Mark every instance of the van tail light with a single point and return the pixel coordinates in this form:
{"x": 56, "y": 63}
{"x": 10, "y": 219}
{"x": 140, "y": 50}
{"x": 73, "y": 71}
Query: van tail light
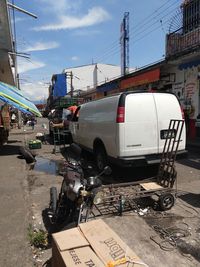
{"x": 182, "y": 112}
{"x": 120, "y": 114}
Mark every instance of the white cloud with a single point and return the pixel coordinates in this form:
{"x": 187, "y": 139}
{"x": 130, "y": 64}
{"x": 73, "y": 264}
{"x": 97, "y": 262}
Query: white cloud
{"x": 86, "y": 32}
{"x": 60, "y": 6}
{"x": 75, "y": 58}
{"x": 94, "y": 16}
{"x": 39, "y": 46}
{"x": 35, "y": 91}
{"x": 24, "y": 65}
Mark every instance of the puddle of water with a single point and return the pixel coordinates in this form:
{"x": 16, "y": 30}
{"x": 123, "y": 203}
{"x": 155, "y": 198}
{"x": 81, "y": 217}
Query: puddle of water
{"x": 46, "y": 166}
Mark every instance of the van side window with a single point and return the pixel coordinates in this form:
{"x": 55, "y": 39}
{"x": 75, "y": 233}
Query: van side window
{"x": 76, "y": 114}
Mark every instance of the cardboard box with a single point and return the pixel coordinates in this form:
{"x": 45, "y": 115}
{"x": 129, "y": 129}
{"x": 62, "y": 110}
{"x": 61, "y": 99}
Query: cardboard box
{"x": 92, "y": 244}
{"x": 70, "y": 249}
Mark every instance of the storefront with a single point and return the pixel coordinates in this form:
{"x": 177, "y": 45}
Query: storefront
{"x": 108, "y": 88}
{"x": 186, "y": 89}
{"x": 141, "y": 81}
{"x": 11, "y": 96}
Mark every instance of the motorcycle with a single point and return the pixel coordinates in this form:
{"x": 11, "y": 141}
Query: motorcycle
{"x": 78, "y": 193}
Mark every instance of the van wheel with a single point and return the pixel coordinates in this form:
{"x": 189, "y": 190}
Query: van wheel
{"x": 101, "y": 158}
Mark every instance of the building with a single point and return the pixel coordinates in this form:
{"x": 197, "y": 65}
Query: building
{"x": 6, "y": 46}
{"x": 79, "y": 83}
{"x": 83, "y": 80}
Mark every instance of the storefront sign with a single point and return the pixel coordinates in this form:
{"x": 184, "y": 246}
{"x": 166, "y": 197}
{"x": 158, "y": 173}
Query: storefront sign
{"x": 140, "y": 79}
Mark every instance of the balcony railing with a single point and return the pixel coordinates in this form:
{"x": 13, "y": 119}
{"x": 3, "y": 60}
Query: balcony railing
{"x": 181, "y": 43}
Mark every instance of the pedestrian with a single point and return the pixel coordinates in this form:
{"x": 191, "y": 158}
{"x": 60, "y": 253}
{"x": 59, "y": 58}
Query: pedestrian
{"x": 32, "y": 123}
{"x": 6, "y": 122}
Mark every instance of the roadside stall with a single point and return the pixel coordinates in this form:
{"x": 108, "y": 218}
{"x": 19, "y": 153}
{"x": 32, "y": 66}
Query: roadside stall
{"x": 12, "y": 96}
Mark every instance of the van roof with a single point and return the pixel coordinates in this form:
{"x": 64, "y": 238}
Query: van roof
{"x": 122, "y": 95}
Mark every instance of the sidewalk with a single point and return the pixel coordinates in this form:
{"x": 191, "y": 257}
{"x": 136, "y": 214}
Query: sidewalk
{"x": 14, "y": 208}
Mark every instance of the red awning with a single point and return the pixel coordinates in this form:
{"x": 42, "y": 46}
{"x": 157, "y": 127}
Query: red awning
{"x": 140, "y": 79}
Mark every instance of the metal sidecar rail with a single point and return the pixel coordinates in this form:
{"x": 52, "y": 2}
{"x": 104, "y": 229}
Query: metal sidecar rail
{"x": 121, "y": 197}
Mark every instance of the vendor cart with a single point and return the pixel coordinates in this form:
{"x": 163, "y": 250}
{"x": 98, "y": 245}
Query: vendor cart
{"x": 120, "y": 197}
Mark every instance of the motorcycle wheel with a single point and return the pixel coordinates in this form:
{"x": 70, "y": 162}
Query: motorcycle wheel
{"x": 53, "y": 199}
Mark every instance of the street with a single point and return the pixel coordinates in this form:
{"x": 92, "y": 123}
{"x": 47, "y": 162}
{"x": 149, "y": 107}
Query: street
{"x": 25, "y": 200}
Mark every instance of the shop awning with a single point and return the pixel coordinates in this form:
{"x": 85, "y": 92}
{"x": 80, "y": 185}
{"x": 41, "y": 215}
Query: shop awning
{"x": 14, "y": 97}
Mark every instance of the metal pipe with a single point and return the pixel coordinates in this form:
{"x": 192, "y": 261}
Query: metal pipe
{"x": 20, "y": 54}
{"x": 21, "y": 10}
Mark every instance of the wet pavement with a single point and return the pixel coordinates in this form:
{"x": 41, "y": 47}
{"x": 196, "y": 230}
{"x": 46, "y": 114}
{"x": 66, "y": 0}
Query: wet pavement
{"x": 46, "y": 166}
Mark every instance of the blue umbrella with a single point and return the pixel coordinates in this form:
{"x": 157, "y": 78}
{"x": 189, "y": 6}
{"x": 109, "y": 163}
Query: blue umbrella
{"x": 14, "y": 97}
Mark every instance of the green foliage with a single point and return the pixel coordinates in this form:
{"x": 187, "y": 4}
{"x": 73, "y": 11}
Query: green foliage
{"x": 37, "y": 237}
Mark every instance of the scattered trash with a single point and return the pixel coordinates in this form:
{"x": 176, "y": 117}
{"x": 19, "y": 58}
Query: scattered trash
{"x": 44, "y": 126}
{"x": 142, "y": 212}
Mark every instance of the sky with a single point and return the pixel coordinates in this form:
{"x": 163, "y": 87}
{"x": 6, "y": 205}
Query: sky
{"x": 70, "y": 33}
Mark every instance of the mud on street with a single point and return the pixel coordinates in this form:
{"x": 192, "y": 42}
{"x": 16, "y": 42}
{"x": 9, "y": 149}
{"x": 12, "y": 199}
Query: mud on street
{"x": 159, "y": 238}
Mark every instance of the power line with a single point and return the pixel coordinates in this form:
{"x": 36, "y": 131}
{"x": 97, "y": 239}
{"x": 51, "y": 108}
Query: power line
{"x": 116, "y": 50}
{"x": 113, "y": 44}
{"x": 152, "y": 17}
{"x": 155, "y": 22}
{"x": 137, "y": 28}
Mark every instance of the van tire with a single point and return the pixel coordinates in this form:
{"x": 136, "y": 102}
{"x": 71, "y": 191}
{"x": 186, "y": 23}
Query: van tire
{"x": 101, "y": 157}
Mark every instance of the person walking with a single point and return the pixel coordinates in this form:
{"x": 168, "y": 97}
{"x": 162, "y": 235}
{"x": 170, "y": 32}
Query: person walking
{"x": 33, "y": 123}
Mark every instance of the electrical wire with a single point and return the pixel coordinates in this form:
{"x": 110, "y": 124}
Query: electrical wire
{"x": 189, "y": 207}
{"x": 138, "y": 28}
{"x": 169, "y": 237}
{"x": 154, "y": 19}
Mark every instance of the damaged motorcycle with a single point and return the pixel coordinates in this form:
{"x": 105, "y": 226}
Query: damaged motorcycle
{"x": 78, "y": 193}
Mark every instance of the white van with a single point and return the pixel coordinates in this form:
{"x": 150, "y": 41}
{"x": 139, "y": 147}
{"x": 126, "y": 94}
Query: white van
{"x": 126, "y": 128}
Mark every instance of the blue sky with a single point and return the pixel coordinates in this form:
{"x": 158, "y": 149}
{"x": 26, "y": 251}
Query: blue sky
{"x": 73, "y": 33}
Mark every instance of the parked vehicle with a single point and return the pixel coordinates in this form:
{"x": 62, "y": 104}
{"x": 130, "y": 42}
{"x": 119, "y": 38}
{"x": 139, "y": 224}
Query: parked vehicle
{"x": 128, "y": 128}
{"x": 77, "y": 193}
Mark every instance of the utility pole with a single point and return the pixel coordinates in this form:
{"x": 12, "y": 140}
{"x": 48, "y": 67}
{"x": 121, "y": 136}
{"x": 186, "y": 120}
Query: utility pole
{"x": 124, "y": 42}
{"x": 69, "y": 74}
{"x": 71, "y": 83}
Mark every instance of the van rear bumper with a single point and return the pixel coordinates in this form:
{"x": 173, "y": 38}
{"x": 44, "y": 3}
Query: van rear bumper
{"x": 144, "y": 160}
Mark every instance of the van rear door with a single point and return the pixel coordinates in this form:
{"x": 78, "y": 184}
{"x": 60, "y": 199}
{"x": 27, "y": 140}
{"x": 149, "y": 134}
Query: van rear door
{"x": 168, "y": 108}
{"x": 140, "y": 126}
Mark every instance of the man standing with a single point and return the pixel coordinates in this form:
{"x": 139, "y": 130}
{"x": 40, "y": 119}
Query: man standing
{"x": 5, "y": 122}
